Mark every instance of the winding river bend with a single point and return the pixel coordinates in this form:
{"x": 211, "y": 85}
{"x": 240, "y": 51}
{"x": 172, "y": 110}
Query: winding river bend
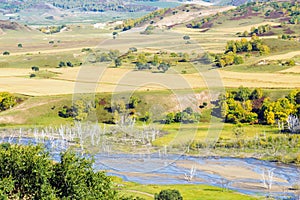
{"x": 245, "y": 175}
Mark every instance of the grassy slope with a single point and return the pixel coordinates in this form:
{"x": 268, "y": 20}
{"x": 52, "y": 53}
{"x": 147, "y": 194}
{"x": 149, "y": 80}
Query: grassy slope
{"x": 188, "y": 192}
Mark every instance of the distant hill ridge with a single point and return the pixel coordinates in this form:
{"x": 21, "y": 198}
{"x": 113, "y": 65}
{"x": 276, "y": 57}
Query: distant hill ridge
{"x": 8, "y": 25}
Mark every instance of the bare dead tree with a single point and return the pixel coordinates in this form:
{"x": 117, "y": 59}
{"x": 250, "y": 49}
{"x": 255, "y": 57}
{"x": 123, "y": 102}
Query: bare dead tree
{"x": 189, "y": 176}
{"x": 267, "y": 178}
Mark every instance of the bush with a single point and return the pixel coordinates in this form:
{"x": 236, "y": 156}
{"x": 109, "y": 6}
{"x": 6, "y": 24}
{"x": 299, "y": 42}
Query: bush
{"x": 35, "y": 68}
{"x": 6, "y": 53}
{"x": 61, "y": 64}
{"x": 168, "y": 195}
{"x": 69, "y": 64}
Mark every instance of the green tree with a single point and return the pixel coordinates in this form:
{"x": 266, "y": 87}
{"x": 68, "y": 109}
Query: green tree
{"x": 7, "y": 101}
{"x": 186, "y": 38}
{"x": 117, "y": 62}
{"x": 168, "y": 195}
{"x": 75, "y": 178}
{"x": 156, "y": 60}
{"x": 113, "y": 54}
{"x": 257, "y": 93}
{"x": 27, "y": 172}
{"x": 134, "y": 101}
{"x": 141, "y": 58}
{"x": 35, "y": 68}
{"x": 6, "y": 53}
{"x": 61, "y": 64}
{"x": 169, "y": 118}
{"x": 242, "y": 94}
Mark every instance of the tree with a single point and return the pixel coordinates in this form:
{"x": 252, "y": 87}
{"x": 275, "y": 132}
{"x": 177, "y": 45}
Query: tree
{"x": 186, "y": 38}
{"x": 113, "y": 54}
{"x": 7, "y": 101}
{"x": 117, "y": 62}
{"x": 256, "y": 94}
{"x": 115, "y": 34}
{"x": 28, "y": 172}
{"x": 164, "y": 67}
{"x": 169, "y": 118}
{"x": 134, "y": 101}
{"x": 61, "y": 64}
{"x": 242, "y": 94}
{"x": 238, "y": 60}
{"x": 20, "y": 45}
{"x": 35, "y": 68}
{"x": 75, "y": 178}
{"x": 156, "y": 60}
{"x": 297, "y": 98}
{"x": 142, "y": 58}
{"x": 168, "y": 195}
{"x": 69, "y": 64}
{"x": 6, "y": 53}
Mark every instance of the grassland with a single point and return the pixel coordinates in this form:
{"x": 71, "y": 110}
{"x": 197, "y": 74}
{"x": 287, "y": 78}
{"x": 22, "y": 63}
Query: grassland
{"x": 188, "y": 192}
{"x": 184, "y": 84}
{"x": 37, "y": 51}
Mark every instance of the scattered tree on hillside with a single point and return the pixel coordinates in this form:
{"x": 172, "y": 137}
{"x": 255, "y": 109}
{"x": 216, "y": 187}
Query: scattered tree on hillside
{"x": 6, "y": 53}
{"x": 35, "y": 68}
{"x": 186, "y": 38}
{"x": 7, "y": 101}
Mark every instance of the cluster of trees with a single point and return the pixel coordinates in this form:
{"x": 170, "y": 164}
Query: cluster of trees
{"x": 246, "y": 106}
{"x": 7, "y": 101}
{"x": 186, "y": 116}
{"x": 291, "y": 9}
{"x": 101, "y": 6}
{"x": 51, "y": 29}
{"x": 107, "y": 112}
{"x": 64, "y": 64}
{"x": 111, "y": 56}
{"x": 79, "y": 111}
{"x": 162, "y": 61}
{"x": 131, "y": 23}
{"x": 244, "y": 45}
{"x": 257, "y": 30}
{"x": 199, "y": 24}
{"x": 28, "y": 172}
{"x": 287, "y": 37}
{"x": 232, "y": 49}
{"x": 229, "y": 58}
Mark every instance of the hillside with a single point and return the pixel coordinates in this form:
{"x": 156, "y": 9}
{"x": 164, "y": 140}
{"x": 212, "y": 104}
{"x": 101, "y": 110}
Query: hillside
{"x": 6, "y": 25}
{"x": 78, "y": 5}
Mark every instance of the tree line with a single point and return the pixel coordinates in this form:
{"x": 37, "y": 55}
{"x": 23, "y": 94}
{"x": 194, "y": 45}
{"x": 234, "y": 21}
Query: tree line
{"x": 234, "y": 48}
{"x": 246, "y": 106}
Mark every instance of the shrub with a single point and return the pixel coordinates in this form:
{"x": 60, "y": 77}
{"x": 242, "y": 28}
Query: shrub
{"x": 6, "y": 53}
{"x": 35, "y": 68}
{"x": 168, "y": 195}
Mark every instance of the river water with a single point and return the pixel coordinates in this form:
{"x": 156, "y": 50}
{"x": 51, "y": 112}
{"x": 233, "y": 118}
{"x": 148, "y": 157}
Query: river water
{"x": 244, "y": 175}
